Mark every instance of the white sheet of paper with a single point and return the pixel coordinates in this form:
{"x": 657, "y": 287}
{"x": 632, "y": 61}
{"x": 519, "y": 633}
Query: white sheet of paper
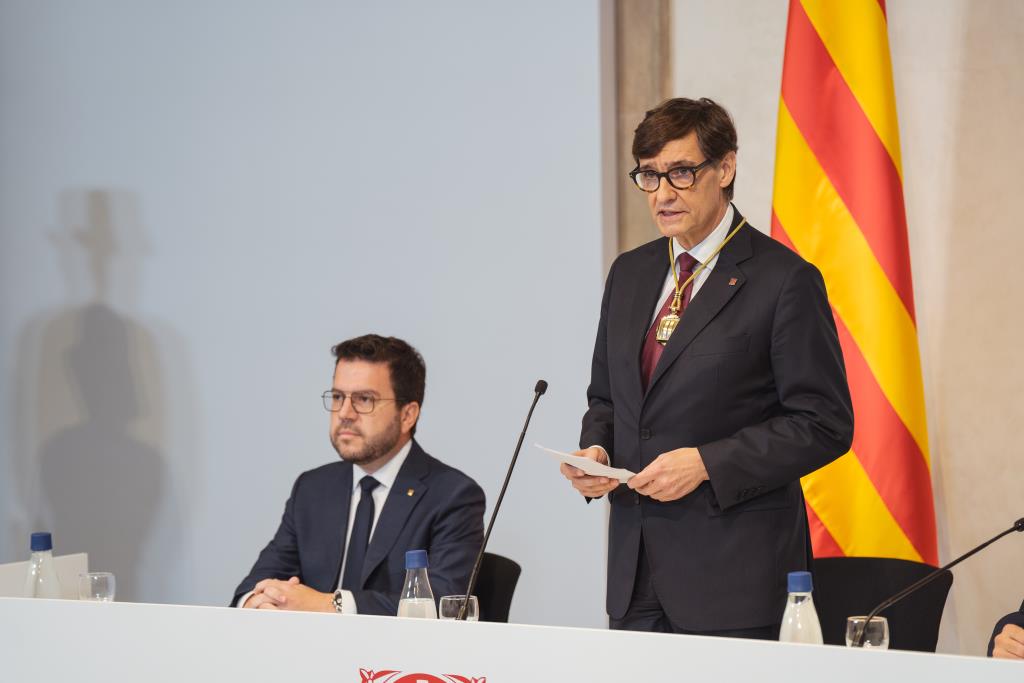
{"x": 589, "y": 466}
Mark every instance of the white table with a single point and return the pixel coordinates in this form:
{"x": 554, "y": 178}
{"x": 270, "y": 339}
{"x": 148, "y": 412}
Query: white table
{"x": 44, "y": 640}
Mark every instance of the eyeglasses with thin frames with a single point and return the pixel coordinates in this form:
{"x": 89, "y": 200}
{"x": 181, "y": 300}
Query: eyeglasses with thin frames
{"x": 680, "y": 177}
{"x": 362, "y": 402}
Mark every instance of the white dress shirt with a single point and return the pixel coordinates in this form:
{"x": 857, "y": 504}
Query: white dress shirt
{"x": 385, "y": 476}
{"x": 701, "y": 251}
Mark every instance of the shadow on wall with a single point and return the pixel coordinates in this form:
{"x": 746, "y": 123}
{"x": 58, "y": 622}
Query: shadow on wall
{"x": 92, "y": 470}
{"x": 981, "y": 395}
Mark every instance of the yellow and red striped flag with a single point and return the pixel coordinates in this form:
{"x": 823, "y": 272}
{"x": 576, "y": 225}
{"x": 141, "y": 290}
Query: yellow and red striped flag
{"x": 838, "y": 202}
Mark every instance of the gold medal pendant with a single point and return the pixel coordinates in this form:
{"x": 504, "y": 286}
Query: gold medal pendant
{"x": 666, "y": 327}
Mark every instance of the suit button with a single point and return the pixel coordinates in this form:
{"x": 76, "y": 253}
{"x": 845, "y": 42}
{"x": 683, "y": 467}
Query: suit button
{"x": 645, "y": 434}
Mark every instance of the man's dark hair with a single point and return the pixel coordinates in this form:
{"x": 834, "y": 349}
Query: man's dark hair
{"x": 405, "y": 364}
{"x": 676, "y": 118}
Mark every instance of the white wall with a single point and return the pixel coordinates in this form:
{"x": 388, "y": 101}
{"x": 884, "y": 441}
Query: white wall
{"x": 960, "y": 99}
{"x": 198, "y": 199}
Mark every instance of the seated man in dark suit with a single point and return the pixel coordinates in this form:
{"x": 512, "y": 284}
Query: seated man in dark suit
{"x": 1007, "y": 640}
{"x": 347, "y": 525}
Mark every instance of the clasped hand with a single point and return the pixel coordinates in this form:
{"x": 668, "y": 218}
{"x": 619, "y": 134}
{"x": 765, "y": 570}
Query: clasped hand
{"x": 288, "y": 595}
{"x": 1009, "y": 644}
{"x": 671, "y": 476}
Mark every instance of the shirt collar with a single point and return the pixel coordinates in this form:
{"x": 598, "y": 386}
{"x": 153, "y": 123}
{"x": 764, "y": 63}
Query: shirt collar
{"x": 707, "y": 246}
{"x": 387, "y": 474}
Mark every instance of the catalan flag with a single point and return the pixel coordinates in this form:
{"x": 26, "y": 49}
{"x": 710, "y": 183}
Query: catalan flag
{"x": 838, "y": 201}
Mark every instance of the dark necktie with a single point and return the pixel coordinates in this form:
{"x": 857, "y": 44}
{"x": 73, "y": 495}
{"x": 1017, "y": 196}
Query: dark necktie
{"x": 356, "y": 553}
{"x": 652, "y": 349}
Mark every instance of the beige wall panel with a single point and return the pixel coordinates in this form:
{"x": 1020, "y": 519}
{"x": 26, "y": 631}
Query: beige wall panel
{"x": 960, "y": 98}
{"x": 643, "y": 39}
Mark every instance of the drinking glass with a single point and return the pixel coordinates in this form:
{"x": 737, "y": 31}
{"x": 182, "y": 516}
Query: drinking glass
{"x": 451, "y": 604}
{"x": 876, "y": 636}
{"x": 96, "y": 586}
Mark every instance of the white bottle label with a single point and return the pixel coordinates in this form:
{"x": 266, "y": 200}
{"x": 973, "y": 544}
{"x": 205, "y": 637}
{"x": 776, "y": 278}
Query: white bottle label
{"x": 417, "y": 608}
{"x": 41, "y": 581}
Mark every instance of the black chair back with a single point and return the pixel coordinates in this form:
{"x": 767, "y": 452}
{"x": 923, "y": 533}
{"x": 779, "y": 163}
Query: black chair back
{"x": 495, "y": 586}
{"x": 851, "y": 586}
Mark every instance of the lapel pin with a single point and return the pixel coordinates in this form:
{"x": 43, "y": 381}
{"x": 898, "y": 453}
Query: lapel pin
{"x": 732, "y": 282}
{"x": 409, "y": 493}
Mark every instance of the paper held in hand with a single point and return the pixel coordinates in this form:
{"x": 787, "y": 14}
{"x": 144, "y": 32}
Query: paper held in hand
{"x": 589, "y": 466}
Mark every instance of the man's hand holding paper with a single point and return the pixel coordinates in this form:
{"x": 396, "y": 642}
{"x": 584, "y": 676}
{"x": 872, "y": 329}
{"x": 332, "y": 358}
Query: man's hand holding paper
{"x": 593, "y": 481}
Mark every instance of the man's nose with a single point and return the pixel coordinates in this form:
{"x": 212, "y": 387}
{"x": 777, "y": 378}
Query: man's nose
{"x": 346, "y": 410}
{"x": 665, "y": 191}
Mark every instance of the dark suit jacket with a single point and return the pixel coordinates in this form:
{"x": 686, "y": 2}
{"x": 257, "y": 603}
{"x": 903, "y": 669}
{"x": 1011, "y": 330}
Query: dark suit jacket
{"x": 444, "y": 515}
{"x": 754, "y": 378}
{"x": 1015, "y": 618}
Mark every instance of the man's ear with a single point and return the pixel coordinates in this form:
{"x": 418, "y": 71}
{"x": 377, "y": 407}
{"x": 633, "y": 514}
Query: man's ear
{"x": 727, "y": 170}
{"x": 409, "y": 414}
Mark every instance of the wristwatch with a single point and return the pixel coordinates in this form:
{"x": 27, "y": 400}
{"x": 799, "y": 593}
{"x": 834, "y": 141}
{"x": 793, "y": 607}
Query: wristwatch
{"x": 336, "y": 601}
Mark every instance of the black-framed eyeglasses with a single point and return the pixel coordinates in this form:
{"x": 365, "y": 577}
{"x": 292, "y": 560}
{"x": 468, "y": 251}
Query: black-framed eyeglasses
{"x": 680, "y": 177}
{"x": 362, "y": 402}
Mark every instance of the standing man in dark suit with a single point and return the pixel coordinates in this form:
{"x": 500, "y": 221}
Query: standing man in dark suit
{"x": 347, "y": 525}
{"x": 720, "y": 382}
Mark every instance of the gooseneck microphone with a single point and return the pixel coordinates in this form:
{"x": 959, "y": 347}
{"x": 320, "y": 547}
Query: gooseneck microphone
{"x": 538, "y": 391}
{"x": 858, "y": 640}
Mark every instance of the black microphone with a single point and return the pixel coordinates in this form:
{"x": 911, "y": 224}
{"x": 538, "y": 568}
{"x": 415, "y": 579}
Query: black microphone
{"x": 538, "y": 391}
{"x": 858, "y": 640}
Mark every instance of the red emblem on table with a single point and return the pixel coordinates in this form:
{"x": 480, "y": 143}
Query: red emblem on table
{"x": 392, "y": 676}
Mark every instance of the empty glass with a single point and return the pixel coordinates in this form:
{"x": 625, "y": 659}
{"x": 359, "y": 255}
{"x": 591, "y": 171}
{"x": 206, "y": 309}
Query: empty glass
{"x": 876, "y": 636}
{"x": 96, "y": 586}
{"x": 451, "y": 604}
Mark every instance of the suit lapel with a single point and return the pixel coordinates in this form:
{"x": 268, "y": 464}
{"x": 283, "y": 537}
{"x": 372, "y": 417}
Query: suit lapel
{"x": 408, "y": 490}
{"x": 336, "y": 510}
{"x": 646, "y": 299}
{"x": 722, "y": 284}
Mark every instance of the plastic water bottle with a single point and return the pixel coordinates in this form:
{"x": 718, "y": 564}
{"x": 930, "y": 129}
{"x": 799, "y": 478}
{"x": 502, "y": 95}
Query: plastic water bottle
{"x": 800, "y": 621}
{"x": 417, "y": 599}
{"x": 41, "y": 581}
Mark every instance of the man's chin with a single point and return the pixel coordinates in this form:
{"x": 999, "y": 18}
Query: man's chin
{"x": 362, "y": 456}
{"x": 354, "y": 457}
{"x": 349, "y": 454}
{"x": 357, "y": 458}
{"x": 673, "y": 228}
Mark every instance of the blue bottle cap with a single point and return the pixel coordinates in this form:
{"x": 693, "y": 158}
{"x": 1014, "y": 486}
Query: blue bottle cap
{"x": 800, "y": 582}
{"x": 41, "y": 540}
{"x": 416, "y": 559}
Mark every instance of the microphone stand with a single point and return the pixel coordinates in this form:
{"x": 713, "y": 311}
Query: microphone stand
{"x": 538, "y": 390}
{"x": 858, "y": 640}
